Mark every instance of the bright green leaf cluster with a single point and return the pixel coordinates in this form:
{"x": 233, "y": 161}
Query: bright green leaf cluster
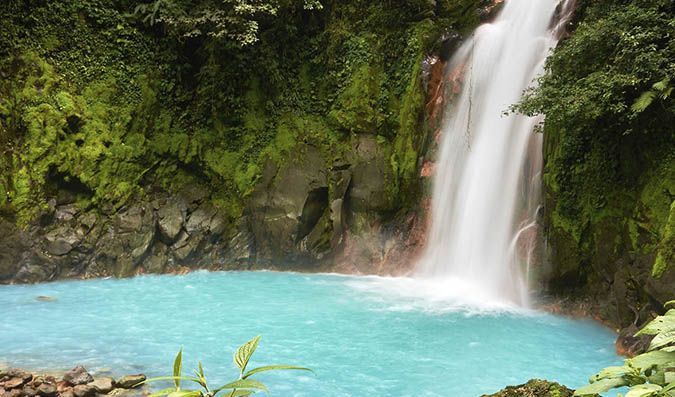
{"x": 651, "y": 374}
{"x": 243, "y": 386}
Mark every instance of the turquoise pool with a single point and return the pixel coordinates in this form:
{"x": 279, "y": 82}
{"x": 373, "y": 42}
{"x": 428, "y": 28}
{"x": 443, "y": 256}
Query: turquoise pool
{"x": 363, "y": 336}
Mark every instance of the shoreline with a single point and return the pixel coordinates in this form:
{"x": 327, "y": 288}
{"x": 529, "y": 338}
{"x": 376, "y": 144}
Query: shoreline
{"x": 76, "y": 382}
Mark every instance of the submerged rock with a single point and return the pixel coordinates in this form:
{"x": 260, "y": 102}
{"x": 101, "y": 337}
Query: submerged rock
{"x": 45, "y": 298}
{"x": 534, "y": 388}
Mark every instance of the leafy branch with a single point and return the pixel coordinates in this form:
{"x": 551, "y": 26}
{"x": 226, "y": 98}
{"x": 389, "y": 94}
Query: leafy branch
{"x": 651, "y": 374}
{"x": 243, "y": 386}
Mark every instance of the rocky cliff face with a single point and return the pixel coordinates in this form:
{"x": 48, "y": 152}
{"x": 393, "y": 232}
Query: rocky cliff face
{"x": 302, "y": 215}
{"x": 609, "y": 172}
{"x": 130, "y": 148}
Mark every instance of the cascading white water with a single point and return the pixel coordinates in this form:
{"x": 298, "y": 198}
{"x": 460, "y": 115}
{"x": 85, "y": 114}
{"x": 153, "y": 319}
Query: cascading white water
{"x": 486, "y": 187}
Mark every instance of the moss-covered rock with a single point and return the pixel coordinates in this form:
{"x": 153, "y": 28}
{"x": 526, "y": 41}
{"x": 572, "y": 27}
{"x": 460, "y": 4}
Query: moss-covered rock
{"x": 534, "y": 388}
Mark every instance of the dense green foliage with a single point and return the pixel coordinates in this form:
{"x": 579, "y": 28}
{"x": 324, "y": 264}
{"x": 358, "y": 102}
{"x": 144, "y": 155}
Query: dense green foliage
{"x": 245, "y": 385}
{"x": 108, "y": 98}
{"x": 610, "y": 141}
{"x": 650, "y": 374}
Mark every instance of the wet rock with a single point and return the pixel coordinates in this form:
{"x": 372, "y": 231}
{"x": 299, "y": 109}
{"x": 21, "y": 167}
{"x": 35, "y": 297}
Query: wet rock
{"x": 534, "y": 388}
{"x": 77, "y": 376}
{"x": 28, "y": 391}
{"x": 62, "y": 240}
{"x": 627, "y": 344}
{"x": 130, "y": 381}
{"x": 47, "y": 390}
{"x": 13, "y": 383}
{"x": 63, "y": 386}
{"x": 67, "y": 393}
{"x": 371, "y": 177}
{"x": 186, "y": 245}
{"x": 102, "y": 385}
{"x": 12, "y": 246}
{"x": 14, "y": 378}
{"x": 65, "y": 213}
{"x": 131, "y": 219}
{"x": 84, "y": 391}
{"x": 171, "y": 218}
{"x": 35, "y": 269}
{"x": 13, "y": 393}
{"x": 158, "y": 259}
{"x": 277, "y": 203}
{"x": 240, "y": 248}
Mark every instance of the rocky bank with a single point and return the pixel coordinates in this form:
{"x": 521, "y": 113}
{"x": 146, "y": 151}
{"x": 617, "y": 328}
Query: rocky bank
{"x": 74, "y": 383}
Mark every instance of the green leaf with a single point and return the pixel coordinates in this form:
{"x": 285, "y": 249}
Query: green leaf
{"x": 244, "y": 353}
{"x": 643, "y": 101}
{"x": 659, "y": 324}
{"x": 645, "y": 390}
{"x": 669, "y": 379}
{"x": 273, "y": 368}
{"x": 242, "y": 384}
{"x": 656, "y": 358}
{"x": 662, "y": 339}
{"x": 177, "y": 365}
{"x": 670, "y": 384}
{"x": 661, "y": 85}
{"x": 600, "y": 386}
{"x": 612, "y": 372}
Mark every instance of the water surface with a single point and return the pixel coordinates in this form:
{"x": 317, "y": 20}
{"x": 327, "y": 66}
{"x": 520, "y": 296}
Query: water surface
{"x": 362, "y": 336}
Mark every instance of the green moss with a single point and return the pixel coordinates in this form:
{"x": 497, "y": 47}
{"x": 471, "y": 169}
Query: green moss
{"x": 97, "y": 102}
{"x": 357, "y": 108}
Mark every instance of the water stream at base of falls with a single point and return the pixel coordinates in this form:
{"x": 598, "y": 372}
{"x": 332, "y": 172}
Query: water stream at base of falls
{"x": 487, "y": 185}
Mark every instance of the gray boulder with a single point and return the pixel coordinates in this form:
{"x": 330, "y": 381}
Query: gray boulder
{"x": 371, "y": 177}
{"x": 171, "y": 219}
{"x": 77, "y": 376}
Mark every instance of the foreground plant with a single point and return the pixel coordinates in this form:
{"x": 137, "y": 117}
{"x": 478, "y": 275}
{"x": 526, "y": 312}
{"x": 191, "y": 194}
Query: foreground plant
{"x": 651, "y": 374}
{"x": 244, "y": 386}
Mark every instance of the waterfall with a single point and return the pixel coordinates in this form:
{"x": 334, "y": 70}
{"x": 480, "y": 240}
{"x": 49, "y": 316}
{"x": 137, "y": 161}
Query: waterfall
{"x": 487, "y": 184}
